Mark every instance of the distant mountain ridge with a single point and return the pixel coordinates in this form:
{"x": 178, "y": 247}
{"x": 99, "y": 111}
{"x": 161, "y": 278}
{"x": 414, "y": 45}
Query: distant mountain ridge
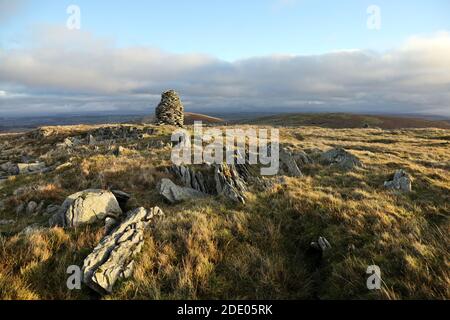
{"x": 345, "y": 120}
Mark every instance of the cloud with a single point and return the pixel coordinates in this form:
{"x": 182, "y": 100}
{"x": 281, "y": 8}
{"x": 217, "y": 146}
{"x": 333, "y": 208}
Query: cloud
{"x": 66, "y": 70}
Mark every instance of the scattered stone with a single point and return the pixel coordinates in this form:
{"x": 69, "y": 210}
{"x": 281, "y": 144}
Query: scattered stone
{"x": 119, "y": 132}
{"x": 174, "y": 193}
{"x": 341, "y": 158}
{"x": 20, "y": 209}
{"x": 31, "y": 229}
{"x": 63, "y": 166}
{"x": 170, "y": 110}
{"x": 322, "y": 244}
{"x": 25, "y": 168}
{"x": 6, "y": 222}
{"x": 401, "y": 181}
{"x": 86, "y": 207}
{"x": 113, "y": 258}
{"x": 91, "y": 140}
{"x": 31, "y": 207}
{"x": 51, "y": 209}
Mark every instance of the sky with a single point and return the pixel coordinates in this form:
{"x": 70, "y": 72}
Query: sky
{"x": 375, "y": 56}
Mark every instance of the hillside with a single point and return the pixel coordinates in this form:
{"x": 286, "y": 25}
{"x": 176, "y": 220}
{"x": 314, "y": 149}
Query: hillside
{"x": 343, "y": 120}
{"x": 212, "y": 247}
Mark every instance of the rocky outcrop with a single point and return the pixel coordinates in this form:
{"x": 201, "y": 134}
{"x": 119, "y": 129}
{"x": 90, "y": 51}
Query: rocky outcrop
{"x": 227, "y": 180}
{"x": 170, "y": 110}
{"x": 340, "y": 158}
{"x": 86, "y": 207}
{"x": 173, "y": 193}
{"x": 288, "y": 165}
{"x": 229, "y": 183}
{"x": 113, "y": 258}
{"x": 401, "y": 181}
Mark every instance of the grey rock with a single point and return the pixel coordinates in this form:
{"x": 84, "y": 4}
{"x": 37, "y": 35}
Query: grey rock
{"x": 31, "y": 207}
{"x": 223, "y": 179}
{"x": 401, "y": 181}
{"x": 86, "y": 207}
{"x": 322, "y": 244}
{"x": 25, "y": 168}
{"x": 91, "y": 140}
{"x": 113, "y": 258}
{"x": 174, "y": 193}
{"x": 6, "y": 222}
{"x": 51, "y": 209}
{"x": 170, "y": 110}
{"x": 20, "y": 208}
{"x": 288, "y": 164}
{"x": 31, "y": 229}
{"x": 229, "y": 183}
{"x": 341, "y": 158}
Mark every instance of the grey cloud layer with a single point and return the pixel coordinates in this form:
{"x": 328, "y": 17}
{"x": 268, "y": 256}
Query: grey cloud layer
{"x": 77, "y": 71}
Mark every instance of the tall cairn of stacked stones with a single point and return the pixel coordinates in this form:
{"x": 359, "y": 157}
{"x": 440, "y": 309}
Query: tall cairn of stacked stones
{"x": 170, "y": 110}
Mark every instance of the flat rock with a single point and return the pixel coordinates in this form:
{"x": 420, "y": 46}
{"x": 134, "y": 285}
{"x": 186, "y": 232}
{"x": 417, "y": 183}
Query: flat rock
{"x": 86, "y": 207}
{"x": 113, "y": 258}
{"x": 174, "y": 193}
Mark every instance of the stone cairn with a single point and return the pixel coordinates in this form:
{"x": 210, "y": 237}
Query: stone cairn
{"x": 170, "y": 110}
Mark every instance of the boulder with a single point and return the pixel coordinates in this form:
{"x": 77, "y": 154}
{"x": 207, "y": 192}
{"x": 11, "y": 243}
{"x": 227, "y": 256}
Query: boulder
{"x": 401, "y": 181}
{"x": 170, "y": 110}
{"x": 86, "y": 207}
{"x": 113, "y": 258}
{"x": 341, "y": 158}
{"x": 174, "y": 193}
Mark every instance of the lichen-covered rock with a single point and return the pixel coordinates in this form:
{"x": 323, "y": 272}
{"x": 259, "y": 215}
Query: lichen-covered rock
{"x": 86, "y": 207}
{"x": 341, "y": 158}
{"x": 113, "y": 258}
{"x": 401, "y": 181}
{"x": 170, "y": 110}
{"x": 174, "y": 193}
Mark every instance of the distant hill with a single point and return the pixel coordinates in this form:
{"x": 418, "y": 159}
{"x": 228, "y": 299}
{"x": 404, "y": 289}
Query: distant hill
{"x": 190, "y": 117}
{"x": 344, "y": 120}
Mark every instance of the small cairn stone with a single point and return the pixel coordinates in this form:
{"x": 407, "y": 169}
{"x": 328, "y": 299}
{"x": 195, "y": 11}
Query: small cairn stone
{"x": 170, "y": 110}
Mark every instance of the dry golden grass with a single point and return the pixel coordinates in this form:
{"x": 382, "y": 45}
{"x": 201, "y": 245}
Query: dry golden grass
{"x": 211, "y": 248}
